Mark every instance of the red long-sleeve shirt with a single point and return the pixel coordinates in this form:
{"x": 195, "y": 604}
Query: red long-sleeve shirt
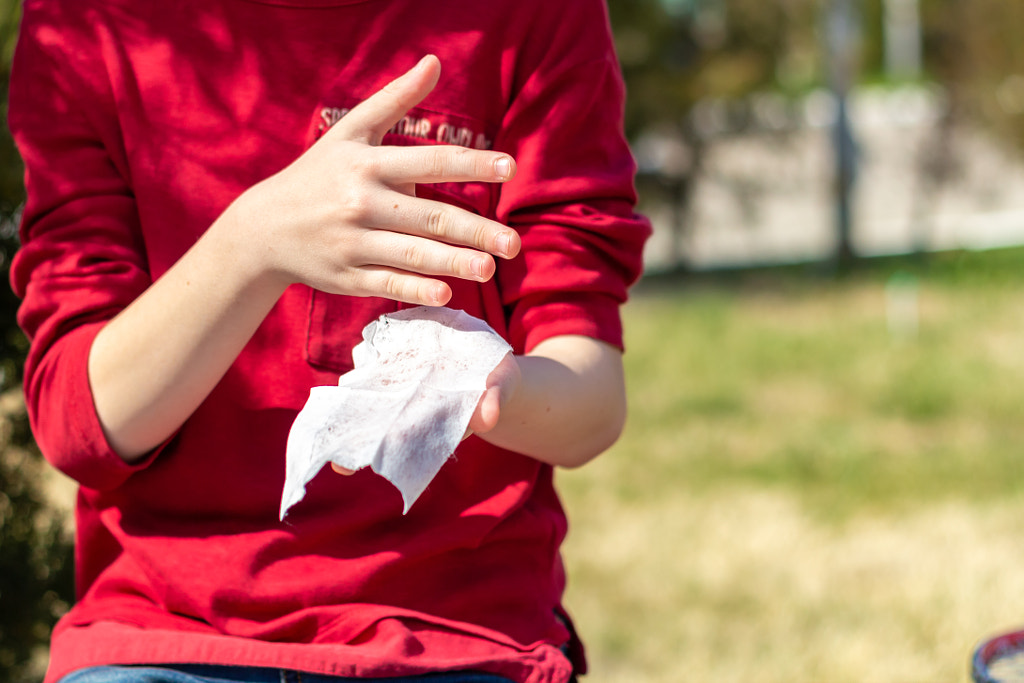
{"x": 139, "y": 122}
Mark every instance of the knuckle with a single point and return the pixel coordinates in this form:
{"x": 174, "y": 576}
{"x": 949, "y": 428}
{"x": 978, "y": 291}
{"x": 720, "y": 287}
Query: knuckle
{"x": 393, "y": 94}
{"x": 413, "y": 258}
{"x": 353, "y": 283}
{"x": 438, "y": 222}
{"x": 449, "y": 161}
{"x": 481, "y": 235}
{"x": 457, "y": 264}
{"x": 358, "y": 205}
{"x": 439, "y": 164}
{"x": 391, "y": 285}
{"x": 365, "y": 165}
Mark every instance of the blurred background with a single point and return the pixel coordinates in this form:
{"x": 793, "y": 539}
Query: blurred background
{"x": 821, "y": 479}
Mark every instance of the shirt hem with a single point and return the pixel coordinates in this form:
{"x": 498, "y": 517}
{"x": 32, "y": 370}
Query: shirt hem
{"x": 110, "y": 643}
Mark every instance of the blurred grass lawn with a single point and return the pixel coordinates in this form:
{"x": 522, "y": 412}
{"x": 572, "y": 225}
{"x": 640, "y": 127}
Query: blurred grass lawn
{"x": 807, "y": 491}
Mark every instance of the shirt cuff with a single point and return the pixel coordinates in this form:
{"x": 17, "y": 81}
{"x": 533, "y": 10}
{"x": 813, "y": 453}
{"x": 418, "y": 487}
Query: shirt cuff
{"x": 65, "y": 422}
{"x": 542, "y": 316}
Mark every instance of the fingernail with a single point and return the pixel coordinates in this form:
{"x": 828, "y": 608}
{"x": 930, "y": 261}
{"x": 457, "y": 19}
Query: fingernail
{"x": 503, "y": 168}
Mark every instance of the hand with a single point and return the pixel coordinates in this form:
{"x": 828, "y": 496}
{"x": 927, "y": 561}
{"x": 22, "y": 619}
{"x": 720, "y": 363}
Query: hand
{"x": 344, "y": 218}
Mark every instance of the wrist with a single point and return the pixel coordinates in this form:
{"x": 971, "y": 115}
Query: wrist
{"x": 246, "y": 253}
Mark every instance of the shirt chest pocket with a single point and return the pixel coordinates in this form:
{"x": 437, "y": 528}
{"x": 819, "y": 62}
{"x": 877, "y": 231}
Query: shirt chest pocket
{"x": 336, "y": 324}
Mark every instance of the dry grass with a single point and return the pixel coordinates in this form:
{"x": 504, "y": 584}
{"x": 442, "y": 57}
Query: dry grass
{"x": 745, "y": 586}
{"x": 805, "y": 493}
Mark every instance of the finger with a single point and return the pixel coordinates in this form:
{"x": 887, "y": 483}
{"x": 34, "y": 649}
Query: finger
{"x": 374, "y": 116}
{"x": 417, "y": 255}
{"x": 442, "y": 164}
{"x": 445, "y": 223}
{"x": 506, "y": 376}
{"x": 399, "y": 285}
{"x": 488, "y": 410}
{"x": 342, "y": 470}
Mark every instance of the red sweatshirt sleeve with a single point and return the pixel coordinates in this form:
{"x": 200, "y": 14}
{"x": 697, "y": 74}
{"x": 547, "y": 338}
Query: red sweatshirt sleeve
{"x": 573, "y": 196}
{"x": 81, "y": 259}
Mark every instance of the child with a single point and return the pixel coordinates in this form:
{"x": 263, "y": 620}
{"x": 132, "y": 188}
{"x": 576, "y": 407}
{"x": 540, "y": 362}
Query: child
{"x": 221, "y": 194}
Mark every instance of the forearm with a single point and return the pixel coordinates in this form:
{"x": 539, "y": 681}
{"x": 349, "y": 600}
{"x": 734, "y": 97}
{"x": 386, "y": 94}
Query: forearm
{"x": 156, "y": 361}
{"x": 570, "y": 405}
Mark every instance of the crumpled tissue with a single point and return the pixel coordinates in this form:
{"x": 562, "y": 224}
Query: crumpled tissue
{"x": 404, "y": 407}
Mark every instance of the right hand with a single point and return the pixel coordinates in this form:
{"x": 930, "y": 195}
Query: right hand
{"x": 344, "y": 217}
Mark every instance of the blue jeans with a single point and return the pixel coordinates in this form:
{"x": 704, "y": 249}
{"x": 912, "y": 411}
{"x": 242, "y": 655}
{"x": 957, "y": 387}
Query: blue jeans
{"x": 206, "y": 673}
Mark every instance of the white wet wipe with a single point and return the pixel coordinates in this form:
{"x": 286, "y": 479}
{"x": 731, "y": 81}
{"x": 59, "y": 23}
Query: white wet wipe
{"x": 402, "y": 410}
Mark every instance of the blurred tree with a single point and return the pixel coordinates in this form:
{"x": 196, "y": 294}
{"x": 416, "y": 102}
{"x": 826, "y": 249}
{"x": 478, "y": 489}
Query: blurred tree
{"x": 12, "y": 194}
{"x": 676, "y": 53}
{"x": 975, "y": 48}
{"x": 36, "y": 571}
{"x": 684, "y": 60}
{"x": 690, "y": 66}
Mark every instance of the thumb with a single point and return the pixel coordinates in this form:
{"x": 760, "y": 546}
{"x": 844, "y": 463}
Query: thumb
{"x": 374, "y": 116}
{"x": 488, "y": 410}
